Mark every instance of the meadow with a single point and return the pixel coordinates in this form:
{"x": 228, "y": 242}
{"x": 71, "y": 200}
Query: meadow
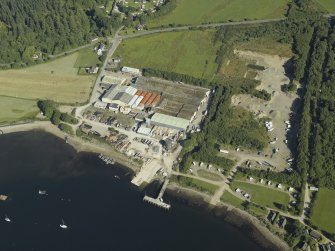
{"x": 200, "y": 11}
{"x": 14, "y": 109}
{"x": 56, "y": 80}
{"x": 322, "y": 211}
{"x": 326, "y": 5}
{"x": 86, "y": 58}
{"x": 194, "y": 183}
{"x": 190, "y": 52}
{"x": 261, "y": 195}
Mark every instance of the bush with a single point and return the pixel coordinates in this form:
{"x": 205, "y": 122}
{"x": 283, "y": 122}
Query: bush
{"x": 289, "y": 87}
{"x": 68, "y": 119}
{"x": 66, "y": 128}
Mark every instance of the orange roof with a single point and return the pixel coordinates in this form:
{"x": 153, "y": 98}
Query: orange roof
{"x": 156, "y": 100}
{"x": 151, "y": 99}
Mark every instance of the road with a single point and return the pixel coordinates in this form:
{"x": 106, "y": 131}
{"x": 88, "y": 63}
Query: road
{"x": 187, "y": 27}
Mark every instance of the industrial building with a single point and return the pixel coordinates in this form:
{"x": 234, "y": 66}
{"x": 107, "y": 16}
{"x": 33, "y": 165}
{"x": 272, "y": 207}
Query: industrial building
{"x": 159, "y": 119}
{"x": 120, "y": 95}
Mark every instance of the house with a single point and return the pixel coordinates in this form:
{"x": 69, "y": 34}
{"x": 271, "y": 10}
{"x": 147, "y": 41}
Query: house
{"x": 251, "y": 178}
{"x": 269, "y": 183}
{"x": 279, "y": 186}
{"x": 261, "y": 181}
{"x": 100, "y": 105}
{"x": 314, "y": 189}
{"x": 237, "y": 190}
{"x": 92, "y": 70}
{"x": 100, "y": 49}
{"x": 291, "y": 189}
{"x": 283, "y": 222}
{"x": 315, "y": 235}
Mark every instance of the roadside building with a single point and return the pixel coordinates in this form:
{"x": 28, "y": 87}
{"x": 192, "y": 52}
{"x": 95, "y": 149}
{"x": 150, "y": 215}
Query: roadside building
{"x": 167, "y": 144}
{"x": 131, "y": 70}
{"x": 100, "y": 105}
{"x": 168, "y": 121}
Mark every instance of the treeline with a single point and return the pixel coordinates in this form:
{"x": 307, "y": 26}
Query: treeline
{"x": 173, "y": 76}
{"x": 49, "y": 110}
{"x": 29, "y": 27}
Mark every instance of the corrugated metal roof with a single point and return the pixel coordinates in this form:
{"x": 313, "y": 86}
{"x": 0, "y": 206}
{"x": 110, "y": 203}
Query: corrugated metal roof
{"x": 170, "y": 121}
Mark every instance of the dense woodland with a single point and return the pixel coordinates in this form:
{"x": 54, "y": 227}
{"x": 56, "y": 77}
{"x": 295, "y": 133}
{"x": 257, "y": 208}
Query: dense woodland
{"x": 50, "y": 27}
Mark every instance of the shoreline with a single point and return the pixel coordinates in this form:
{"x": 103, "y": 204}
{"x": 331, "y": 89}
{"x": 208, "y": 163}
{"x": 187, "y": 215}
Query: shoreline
{"x": 78, "y": 144}
{"x": 246, "y": 223}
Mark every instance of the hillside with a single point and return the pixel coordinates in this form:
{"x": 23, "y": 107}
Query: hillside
{"x": 29, "y": 27}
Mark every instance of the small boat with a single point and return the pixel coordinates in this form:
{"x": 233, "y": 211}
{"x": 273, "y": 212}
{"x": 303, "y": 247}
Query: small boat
{"x": 42, "y": 192}
{"x": 63, "y": 225}
{"x": 7, "y": 219}
{"x": 116, "y": 177}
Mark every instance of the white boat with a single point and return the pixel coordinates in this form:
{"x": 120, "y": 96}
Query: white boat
{"x": 63, "y": 225}
{"x": 116, "y": 177}
{"x": 42, "y": 192}
{"x": 7, "y": 219}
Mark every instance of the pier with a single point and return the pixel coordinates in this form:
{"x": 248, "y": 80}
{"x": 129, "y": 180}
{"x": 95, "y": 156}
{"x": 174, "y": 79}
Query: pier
{"x": 159, "y": 200}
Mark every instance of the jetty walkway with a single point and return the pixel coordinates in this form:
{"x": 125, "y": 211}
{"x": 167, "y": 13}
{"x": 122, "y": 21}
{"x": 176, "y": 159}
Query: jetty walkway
{"x": 159, "y": 200}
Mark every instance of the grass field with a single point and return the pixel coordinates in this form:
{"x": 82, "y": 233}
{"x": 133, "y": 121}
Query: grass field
{"x": 322, "y": 212}
{"x": 326, "y": 5}
{"x": 200, "y": 11}
{"x": 189, "y": 52}
{"x": 86, "y": 58}
{"x": 231, "y": 199}
{"x": 56, "y": 80}
{"x": 209, "y": 175}
{"x": 262, "y": 195}
{"x": 14, "y": 109}
{"x": 267, "y": 46}
{"x": 196, "y": 184}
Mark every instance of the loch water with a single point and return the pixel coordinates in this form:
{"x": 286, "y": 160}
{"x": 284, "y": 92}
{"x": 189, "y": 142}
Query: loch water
{"x": 103, "y": 212}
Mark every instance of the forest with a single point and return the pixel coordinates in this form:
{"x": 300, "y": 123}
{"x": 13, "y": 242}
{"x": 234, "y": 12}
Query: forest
{"x": 29, "y": 27}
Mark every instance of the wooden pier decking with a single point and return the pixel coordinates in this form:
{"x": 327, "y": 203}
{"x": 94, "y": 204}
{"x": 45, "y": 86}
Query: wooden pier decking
{"x": 159, "y": 200}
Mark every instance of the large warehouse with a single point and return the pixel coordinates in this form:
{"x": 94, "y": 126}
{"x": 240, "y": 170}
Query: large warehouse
{"x": 119, "y": 94}
{"x": 168, "y": 121}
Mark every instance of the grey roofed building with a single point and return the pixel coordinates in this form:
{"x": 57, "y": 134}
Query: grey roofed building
{"x": 168, "y": 121}
{"x": 117, "y": 94}
{"x": 315, "y": 235}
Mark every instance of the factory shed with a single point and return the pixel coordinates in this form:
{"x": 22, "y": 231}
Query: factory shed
{"x": 168, "y": 121}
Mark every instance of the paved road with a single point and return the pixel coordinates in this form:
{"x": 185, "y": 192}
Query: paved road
{"x": 186, "y": 27}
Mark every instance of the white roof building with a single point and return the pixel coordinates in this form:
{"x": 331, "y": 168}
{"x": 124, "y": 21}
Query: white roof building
{"x": 131, "y": 70}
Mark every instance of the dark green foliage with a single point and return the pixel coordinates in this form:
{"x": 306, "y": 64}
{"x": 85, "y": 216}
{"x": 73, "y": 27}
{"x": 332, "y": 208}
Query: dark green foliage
{"x": 47, "y": 107}
{"x": 263, "y": 94}
{"x": 33, "y": 26}
{"x": 175, "y": 77}
{"x": 291, "y": 87}
{"x": 68, "y": 118}
{"x": 55, "y": 119}
{"x": 66, "y": 128}
{"x": 292, "y": 179}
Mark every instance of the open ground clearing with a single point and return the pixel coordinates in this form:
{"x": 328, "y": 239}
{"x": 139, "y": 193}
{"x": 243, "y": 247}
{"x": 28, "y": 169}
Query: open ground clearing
{"x": 87, "y": 58}
{"x": 267, "y": 197}
{"x": 199, "y": 11}
{"x": 14, "y": 109}
{"x": 56, "y": 80}
{"x": 326, "y": 5}
{"x": 278, "y": 109}
{"x": 195, "y": 183}
{"x": 323, "y": 210}
{"x": 209, "y": 175}
{"x": 190, "y": 52}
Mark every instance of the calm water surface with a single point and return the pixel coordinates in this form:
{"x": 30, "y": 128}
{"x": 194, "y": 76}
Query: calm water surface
{"x": 102, "y": 212}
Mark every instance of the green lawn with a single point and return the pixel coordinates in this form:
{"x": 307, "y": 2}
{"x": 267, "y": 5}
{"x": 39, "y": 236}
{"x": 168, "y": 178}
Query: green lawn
{"x": 87, "y": 57}
{"x": 322, "y": 212}
{"x": 201, "y": 11}
{"x": 194, "y": 183}
{"x": 15, "y": 109}
{"x": 262, "y": 195}
{"x": 209, "y": 175}
{"x": 327, "y": 5}
{"x": 231, "y": 199}
{"x": 188, "y": 52}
